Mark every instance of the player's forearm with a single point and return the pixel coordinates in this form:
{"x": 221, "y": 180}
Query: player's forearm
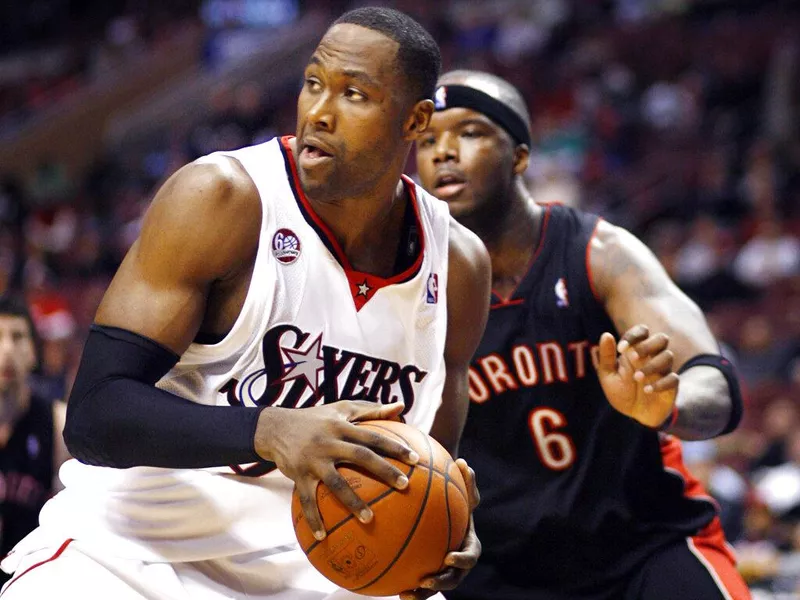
{"x": 704, "y": 404}
{"x": 117, "y": 418}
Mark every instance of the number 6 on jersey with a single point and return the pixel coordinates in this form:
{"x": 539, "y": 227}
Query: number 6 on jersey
{"x": 556, "y": 450}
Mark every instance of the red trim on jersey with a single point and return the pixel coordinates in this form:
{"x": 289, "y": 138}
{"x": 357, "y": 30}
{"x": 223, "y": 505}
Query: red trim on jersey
{"x": 506, "y": 304}
{"x": 506, "y": 300}
{"x": 589, "y": 273}
{"x": 362, "y": 285}
{"x": 672, "y": 458}
{"x": 709, "y": 545}
{"x": 39, "y": 564}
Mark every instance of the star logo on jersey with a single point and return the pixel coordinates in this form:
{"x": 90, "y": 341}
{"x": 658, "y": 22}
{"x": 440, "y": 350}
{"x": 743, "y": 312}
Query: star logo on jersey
{"x": 562, "y": 297}
{"x": 305, "y": 363}
{"x": 363, "y": 289}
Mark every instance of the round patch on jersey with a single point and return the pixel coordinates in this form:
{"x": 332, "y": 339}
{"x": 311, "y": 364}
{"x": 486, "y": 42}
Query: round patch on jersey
{"x": 286, "y": 246}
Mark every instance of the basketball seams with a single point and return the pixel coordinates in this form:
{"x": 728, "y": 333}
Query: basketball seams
{"x": 410, "y": 536}
{"x": 448, "y": 480}
{"x": 395, "y": 558}
{"x": 372, "y": 502}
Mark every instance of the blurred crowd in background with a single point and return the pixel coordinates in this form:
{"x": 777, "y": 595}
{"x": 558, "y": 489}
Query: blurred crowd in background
{"x": 677, "y": 119}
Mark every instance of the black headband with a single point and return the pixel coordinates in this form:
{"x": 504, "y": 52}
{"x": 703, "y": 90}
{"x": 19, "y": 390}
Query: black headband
{"x": 454, "y": 96}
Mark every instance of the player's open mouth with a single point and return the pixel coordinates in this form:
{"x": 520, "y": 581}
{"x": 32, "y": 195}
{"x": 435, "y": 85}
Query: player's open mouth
{"x": 314, "y": 152}
{"x": 448, "y": 185}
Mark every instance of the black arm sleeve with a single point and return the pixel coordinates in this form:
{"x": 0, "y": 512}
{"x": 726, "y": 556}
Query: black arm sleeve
{"x": 726, "y": 368}
{"x": 117, "y": 418}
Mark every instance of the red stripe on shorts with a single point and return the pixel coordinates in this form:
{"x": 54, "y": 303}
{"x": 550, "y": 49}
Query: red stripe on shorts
{"x": 711, "y": 550}
{"x": 39, "y": 564}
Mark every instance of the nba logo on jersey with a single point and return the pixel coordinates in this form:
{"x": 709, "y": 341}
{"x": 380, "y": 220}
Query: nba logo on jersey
{"x": 562, "y": 298}
{"x": 432, "y": 295}
{"x": 440, "y": 98}
{"x": 285, "y": 246}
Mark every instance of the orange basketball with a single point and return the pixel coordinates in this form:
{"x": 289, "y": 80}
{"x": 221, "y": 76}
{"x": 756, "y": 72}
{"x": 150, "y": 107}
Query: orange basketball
{"x": 412, "y": 529}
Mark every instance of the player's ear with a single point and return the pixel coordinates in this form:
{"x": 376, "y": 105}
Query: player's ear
{"x": 521, "y": 155}
{"x": 418, "y": 120}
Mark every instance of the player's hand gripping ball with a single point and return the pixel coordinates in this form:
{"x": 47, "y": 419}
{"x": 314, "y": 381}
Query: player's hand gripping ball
{"x": 411, "y": 532}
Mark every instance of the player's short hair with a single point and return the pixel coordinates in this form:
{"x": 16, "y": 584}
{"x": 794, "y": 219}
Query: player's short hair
{"x": 418, "y": 55}
{"x": 12, "y": 305}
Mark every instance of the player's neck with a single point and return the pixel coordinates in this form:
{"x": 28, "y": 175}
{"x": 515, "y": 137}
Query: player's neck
{"x": 513, "y": 239}
{"x": 367, "y": 227}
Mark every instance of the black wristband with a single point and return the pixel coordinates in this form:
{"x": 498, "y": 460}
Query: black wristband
{"x": 726, "y": 368}
{"x": 117, "y": 418}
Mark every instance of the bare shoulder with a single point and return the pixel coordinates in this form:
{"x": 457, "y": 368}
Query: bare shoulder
{"x": 201, "y": 228}
{"x": 467, "y": 253}
{"x": 618, "y": 258}
{"x": 210, "y": 209}
{"x": 469, "y": 285}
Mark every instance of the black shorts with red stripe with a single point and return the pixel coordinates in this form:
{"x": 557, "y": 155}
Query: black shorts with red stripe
{"x": 697, "y": 568}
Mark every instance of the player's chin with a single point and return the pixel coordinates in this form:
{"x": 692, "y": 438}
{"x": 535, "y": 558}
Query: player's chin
{"x": 314, "y": 180}
{"x": 461, "y": 207}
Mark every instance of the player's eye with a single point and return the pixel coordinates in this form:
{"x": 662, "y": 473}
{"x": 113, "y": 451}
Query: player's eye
{"x": 313, "y": 84}
{"x": 471, "y": 132}
{"x": 354, "y": 94}
{"x": 427, "y": 141}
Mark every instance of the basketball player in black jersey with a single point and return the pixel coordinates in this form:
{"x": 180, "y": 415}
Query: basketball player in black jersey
{"x": 31, "y": 445}
{"x": 573, "y": 436}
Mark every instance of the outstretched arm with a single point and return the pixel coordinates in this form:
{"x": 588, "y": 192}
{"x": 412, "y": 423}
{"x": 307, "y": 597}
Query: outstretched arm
{"x": 636, "y": 291}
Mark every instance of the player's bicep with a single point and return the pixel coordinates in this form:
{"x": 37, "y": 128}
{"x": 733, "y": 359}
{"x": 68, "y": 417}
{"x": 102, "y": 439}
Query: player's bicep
{"x": 635, "y": 288}
{"x": 468, "y": 293}
{"x": 189, "y": 239}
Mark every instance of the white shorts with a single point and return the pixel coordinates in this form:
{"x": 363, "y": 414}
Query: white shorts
{"x": 69, "y": 572}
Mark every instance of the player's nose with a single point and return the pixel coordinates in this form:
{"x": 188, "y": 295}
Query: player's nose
{"x": 445, "y": 149}
{"x": 321, "y": 113}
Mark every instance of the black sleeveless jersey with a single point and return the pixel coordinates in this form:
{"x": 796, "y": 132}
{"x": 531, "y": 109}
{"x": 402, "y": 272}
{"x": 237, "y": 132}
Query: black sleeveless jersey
{"x": 573, "y": 493}
{"x": 26, "y": 473}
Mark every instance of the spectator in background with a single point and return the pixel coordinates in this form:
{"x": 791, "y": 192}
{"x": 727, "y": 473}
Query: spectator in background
{"x": 56, "y": 327}
{"x": 31, "y": 445}
{"x": 762, "y": 350}
{"x": 703, "y": 254}
{"x": 780, "y": 418}
{"x": 770, "y": 255}
{"x": 702, "y": 265}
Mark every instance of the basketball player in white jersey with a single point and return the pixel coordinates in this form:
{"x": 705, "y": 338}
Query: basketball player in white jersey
{"x": 277, "y": 294}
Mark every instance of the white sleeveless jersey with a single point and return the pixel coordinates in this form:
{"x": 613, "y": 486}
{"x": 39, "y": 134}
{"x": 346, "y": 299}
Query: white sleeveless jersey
{"x": 312, "y": 330}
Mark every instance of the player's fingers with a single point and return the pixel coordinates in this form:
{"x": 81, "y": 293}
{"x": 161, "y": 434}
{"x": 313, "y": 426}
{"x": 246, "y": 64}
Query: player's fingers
{"x": 447, "y": 579}
{"x": 653, "y": 345}
{"x": 307, "y": 494}
{"x": 382, "y": 444}
{"x": 341, "y": 489}
{"x": 468, "y": 556}
{"x": 633, "y": 336}
{"x": 361, "y": 410}
{"x": 626, "y": 368}
{"x": 468, "y": 474}
{"x": 670, "y": 382}
{"x": 367, "y": 459}
{"x": 605, "y": 361}
{"x": 661, "y": 364}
